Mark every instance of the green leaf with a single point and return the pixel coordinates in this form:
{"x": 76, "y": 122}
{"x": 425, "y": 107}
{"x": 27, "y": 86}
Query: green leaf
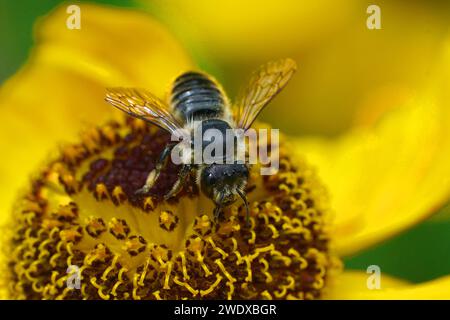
{"x": 418, "y": 255}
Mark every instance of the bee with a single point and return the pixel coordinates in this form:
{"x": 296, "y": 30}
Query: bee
{"x": 197, "y": 98}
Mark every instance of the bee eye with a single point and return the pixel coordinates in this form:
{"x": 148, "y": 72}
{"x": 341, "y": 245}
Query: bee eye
{"x": 211, "y": 179}
{"x": 208, "y": 181}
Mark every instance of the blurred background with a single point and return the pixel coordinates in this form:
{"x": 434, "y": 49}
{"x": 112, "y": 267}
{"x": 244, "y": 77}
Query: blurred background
{"x": 336, "y": 53}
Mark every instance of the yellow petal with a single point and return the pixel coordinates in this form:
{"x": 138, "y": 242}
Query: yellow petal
{"x": 62, "y": 86}
{"x": 341, "y": 62}
{"x": 352, "y": 285}
{"x": 388, "y": 177}
{"x": 114, "y": 46}
{"x": 237, "y": 31}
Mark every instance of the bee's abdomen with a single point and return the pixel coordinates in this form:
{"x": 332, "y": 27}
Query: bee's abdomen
{"x": 195, "y": 96}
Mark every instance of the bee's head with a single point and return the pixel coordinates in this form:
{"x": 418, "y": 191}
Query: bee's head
{"x": 224, "y": 182}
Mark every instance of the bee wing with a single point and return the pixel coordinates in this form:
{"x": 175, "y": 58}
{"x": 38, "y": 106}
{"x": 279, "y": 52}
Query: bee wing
{"x": 264, "y": 85}
{"x": 142, "y": 104}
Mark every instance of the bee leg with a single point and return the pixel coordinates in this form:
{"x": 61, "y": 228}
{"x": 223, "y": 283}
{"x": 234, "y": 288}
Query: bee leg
{"x": 218, "y": 208}
{"x": 217, "y": 211}
{"x": 244, "y": 198}
{"x": 154, "y": 174}
{"x": 178, "y": 185}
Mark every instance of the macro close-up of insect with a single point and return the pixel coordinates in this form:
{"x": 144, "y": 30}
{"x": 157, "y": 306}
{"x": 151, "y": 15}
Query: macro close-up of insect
{"x": 142, "y": 162}
{"x": 197, "y": 99}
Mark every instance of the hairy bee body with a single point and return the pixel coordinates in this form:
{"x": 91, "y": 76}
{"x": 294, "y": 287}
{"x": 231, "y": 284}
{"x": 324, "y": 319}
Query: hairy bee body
{"x": 195, "y": 96}
{"x": 197, "y": 104}
{"x": 197, "y": 99}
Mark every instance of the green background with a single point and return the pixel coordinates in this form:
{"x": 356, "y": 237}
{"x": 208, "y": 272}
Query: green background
{"x": 417, "y": 255}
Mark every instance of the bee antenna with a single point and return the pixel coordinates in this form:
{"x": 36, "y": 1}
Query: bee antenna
{"x": 244, "y": 198}
{"x": 217, "y": 212}
{"x": 218, "y": 208}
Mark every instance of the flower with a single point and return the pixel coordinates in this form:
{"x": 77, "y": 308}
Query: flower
{"x": 382, "y": 91}
{"x": 80, "y": 208}
{"x": 348, "y": 74}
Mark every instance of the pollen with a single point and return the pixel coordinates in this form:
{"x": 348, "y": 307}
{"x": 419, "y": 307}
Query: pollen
{"x": 167, "y": 220}
{"x": 81, "y": 210}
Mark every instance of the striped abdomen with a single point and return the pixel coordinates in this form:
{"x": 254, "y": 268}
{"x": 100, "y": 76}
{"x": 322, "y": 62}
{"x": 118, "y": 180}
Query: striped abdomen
{"x": 195, "y": 96}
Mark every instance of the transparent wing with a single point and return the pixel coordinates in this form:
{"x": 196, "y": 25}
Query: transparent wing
{"x": 143, "y": 105}
{"x": 264, "y": 85}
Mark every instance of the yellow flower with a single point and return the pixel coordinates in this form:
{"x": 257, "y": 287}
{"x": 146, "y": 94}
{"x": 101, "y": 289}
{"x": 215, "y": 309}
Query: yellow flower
{"x": 79, "y": 208}
{"x": 82, "y": 210}
{"x": 349, "y": 78}
{"x": 344, "y": 67}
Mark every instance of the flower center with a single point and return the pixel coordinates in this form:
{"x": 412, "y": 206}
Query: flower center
{"x": 82, "y": 232}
